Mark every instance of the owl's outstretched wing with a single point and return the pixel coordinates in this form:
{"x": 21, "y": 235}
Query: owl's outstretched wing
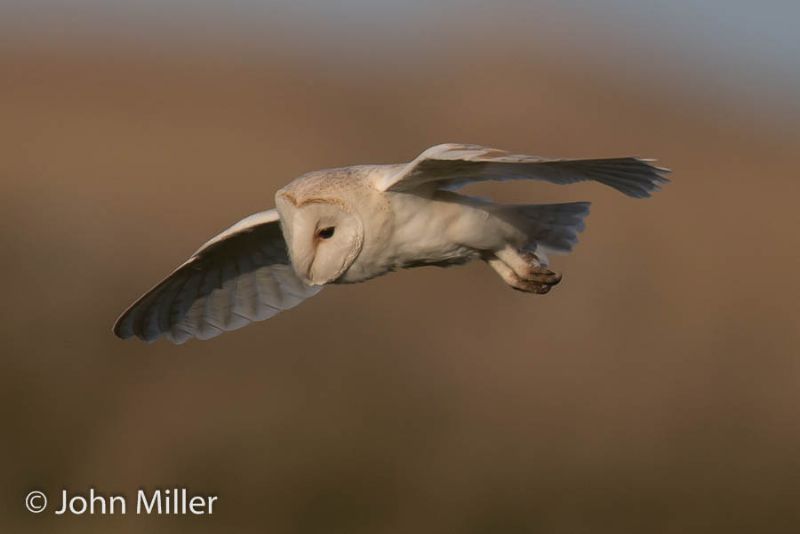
{"x": 241, "y": 275}
{"x": 454, "y": 165}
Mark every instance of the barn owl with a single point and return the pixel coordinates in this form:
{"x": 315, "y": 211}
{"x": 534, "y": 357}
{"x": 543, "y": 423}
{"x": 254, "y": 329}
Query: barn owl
{"x": 348, "y": 225}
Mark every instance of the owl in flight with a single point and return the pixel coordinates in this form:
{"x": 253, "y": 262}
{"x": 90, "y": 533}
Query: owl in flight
{"x": 348, "y": 225}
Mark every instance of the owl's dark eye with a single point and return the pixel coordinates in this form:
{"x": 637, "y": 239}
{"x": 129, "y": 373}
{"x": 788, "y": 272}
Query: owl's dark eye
{"x": 326, "y": 233}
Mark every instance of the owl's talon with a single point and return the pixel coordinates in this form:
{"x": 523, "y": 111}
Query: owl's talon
{"x": 527, "y": 286}
{"x": 539, "y": 273}
{"x": 544, "y": 276}
{"x": 527, "y": 274}
{"x": 539, "y": 282}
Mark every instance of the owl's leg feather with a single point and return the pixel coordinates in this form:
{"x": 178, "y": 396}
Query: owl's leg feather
{"x": 523, "y": 271}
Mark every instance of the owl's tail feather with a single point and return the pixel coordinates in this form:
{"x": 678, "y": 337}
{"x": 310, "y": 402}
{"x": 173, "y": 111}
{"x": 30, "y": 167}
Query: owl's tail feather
{"x": 555, "y": 227}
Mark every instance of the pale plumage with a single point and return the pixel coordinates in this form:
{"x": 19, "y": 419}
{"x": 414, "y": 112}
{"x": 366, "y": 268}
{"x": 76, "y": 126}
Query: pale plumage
{"x": 355, "y": 223}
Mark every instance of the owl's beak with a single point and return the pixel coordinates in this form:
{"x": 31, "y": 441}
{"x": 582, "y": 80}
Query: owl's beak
{"x": 306, "y": 272}
{"x": 311, "y": 278}
{"x": 303, "y": 263}
{"x": 303, "y": 268}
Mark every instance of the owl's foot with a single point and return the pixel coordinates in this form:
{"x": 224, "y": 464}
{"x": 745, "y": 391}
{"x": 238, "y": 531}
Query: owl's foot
{"x": 523, "y": 271}
{"x": 540, "y": 280}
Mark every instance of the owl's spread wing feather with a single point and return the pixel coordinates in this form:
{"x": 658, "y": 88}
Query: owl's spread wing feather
{"x": 241, "y": 275}
{"x": 454, "y": 165}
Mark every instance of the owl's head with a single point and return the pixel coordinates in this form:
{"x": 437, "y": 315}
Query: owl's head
{"x": 322, "y": 234}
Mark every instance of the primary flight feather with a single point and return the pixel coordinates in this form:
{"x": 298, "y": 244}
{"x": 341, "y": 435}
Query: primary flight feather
{"x": 355, "y": 223}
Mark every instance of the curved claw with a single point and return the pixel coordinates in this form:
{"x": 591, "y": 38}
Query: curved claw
{"x": 528, "y": 286}
{"x": 524, "y": 272}
{"x": 544, "y": 276}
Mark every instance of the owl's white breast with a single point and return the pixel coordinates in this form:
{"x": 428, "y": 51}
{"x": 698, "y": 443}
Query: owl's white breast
{"x": 429, "y": 227}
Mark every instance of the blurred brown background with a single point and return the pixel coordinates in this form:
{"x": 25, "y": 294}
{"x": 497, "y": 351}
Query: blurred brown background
{"x": 655, "y": 390}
